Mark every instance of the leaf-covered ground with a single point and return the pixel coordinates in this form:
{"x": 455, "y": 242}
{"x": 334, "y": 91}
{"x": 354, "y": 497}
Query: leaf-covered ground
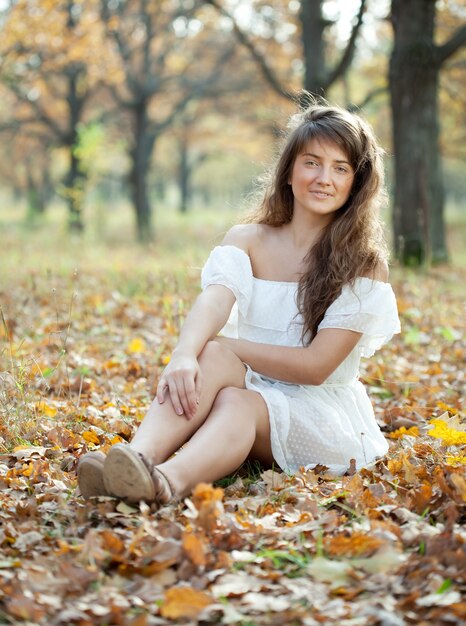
{"x": 78, "y": 359}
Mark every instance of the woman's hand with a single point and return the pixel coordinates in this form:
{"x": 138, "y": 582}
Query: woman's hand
{"x": 182, "y": 378}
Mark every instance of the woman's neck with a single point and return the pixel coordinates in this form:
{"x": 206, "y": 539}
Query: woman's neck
{"x": 303, "y": 232}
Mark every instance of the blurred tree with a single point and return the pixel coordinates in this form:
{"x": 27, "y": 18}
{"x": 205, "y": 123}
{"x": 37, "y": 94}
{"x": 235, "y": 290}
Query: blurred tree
{"x": 53, "y": 60}
{"x": 415, "y": 65}
{"x": 317, "y": 73}
{"x": 210, "y": 127}
{"x": 170, "y": 57}
{"x": 452, "y": 86}
{"x": 189, "y": 159}
{"x": 24, "y": 157}
{"x": 30, "y": 176}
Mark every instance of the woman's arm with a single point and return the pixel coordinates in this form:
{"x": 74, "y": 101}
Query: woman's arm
{"x": 206, "y": 318}
{"x": 182, "y": 375}
{"x": 310, "y": 365}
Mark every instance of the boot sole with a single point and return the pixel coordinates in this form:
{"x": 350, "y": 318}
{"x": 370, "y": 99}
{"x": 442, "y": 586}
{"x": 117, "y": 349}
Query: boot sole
{"x": 126, "y": 476}
{"x": 90, "y": 477}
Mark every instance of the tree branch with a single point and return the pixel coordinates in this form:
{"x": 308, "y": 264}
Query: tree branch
{"x": 194, "y": 91}
{"x": 368, "y": 98}
{"x": 350, "y": 49}
{"x": 247, "y": 43}
{"x": 42, "y": 116}
{"x": 449, "y": 48}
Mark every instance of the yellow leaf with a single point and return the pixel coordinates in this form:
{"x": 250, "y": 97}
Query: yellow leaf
{"x": 116, "y": 439}
{"x": 400, "y": 432}
{"x": 46, "y": 409}
{"x": 184, "y": 602}
{"x": 140, "y": 414}
{"x": 90, "y": 437}
{"x": 136, "y": 345}
{"x": 456, "y": 460}
{"x": 447, "y": 407}
{"x": 27, "y": 470}
{"x": 449, "y": 436}
{"x": 107, "y": 405}
{"x": 170, "y": 329}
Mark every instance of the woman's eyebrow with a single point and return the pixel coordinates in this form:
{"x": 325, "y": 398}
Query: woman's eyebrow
{"x": 317, "y": 156}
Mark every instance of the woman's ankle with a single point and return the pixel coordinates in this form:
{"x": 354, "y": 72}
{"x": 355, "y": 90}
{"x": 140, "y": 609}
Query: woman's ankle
{"x": 150, "y": 456}
{"x": 179, "y": 486}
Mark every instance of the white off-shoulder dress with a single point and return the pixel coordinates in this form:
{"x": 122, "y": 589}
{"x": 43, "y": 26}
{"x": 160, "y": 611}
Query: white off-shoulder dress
{"x": 327, "y": 424}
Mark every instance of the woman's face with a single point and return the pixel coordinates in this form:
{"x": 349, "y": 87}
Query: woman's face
{"x": 321, "y": 179}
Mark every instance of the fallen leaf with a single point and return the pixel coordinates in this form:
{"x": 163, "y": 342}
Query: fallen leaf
{"x": 184, "y": 602}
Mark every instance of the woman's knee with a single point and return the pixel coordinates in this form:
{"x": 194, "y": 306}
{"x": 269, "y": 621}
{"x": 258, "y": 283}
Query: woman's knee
{"x": 215, "y": 352}
{"x": 229, "y": 396}
{"x": 221, "y": 359}
{"x": 212, "y": 351}
{"x": 247, "y": 404}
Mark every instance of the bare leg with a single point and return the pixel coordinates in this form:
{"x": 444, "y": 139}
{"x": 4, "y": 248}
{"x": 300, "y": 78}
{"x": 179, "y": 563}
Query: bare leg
{"x": 237, "y": 427}
{"x": 162, "y": 431}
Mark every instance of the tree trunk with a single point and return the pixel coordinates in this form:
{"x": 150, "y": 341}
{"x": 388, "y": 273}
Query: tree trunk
{"x": 418, "y": 219}
{"x": 75, "y": 178}
{"x": 36, "y": 194}
{"x": 313, "y": 27}
{"x": 74, "y": 192}
{"x": 184, "y": 173}
{"x": 141, "y": 154}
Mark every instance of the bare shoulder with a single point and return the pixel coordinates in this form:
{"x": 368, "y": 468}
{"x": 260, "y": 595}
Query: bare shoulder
{"x": 380, "y": 271}
{"x": 243, "y": 236}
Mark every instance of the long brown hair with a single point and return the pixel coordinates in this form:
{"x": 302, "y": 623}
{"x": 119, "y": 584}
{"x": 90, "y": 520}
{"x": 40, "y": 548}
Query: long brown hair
{"x": 352, "y": 244}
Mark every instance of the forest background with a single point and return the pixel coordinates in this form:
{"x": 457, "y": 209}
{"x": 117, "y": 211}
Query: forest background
{"x": 133, "y": 133}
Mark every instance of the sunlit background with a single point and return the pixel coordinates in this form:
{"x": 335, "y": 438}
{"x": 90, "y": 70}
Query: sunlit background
{"x": 126, "y": 122}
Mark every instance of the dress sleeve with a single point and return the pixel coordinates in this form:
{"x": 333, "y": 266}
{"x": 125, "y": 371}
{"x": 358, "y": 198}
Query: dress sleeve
{"x": 369, "y": 307}
{"x": 231, "y": 267}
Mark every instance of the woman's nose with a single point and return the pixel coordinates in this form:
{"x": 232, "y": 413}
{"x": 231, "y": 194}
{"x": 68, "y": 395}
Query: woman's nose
{"x": 323, "y": 176}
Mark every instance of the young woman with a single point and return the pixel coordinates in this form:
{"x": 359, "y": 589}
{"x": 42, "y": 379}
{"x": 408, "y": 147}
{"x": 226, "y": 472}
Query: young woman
{"x": 301, "y": 295}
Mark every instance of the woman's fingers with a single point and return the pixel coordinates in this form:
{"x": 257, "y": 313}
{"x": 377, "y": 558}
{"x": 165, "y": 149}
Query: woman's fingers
{"x": 190, "y": 404}
{"x": 175, "y": 396}
{"x": 180, "y": 382}
{"x": 161, "y": 390}
{"x": 198, "y": 387}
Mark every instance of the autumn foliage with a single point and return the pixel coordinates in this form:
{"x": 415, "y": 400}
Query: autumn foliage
{"x": 79, "y": 355}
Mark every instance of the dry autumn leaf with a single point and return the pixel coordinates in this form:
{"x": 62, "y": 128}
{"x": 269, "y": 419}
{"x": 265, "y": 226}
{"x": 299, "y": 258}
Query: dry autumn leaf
{"x": 355, "y": 545}
{"x": 195, "y": 548}
{"x": 184, "y": 602}
{"x": 268, "y": 547}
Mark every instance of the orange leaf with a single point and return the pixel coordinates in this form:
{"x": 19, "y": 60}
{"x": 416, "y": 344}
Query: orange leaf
{"x": 356, "y": 545}
{"x": 184, "y": 602}
{"x": 205, "y": 493}
{"x": 419, "y": 498}
{"x": 208, "y": 501}
{"x": 112, "y": 543}
{"x": 194, "y": 548}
